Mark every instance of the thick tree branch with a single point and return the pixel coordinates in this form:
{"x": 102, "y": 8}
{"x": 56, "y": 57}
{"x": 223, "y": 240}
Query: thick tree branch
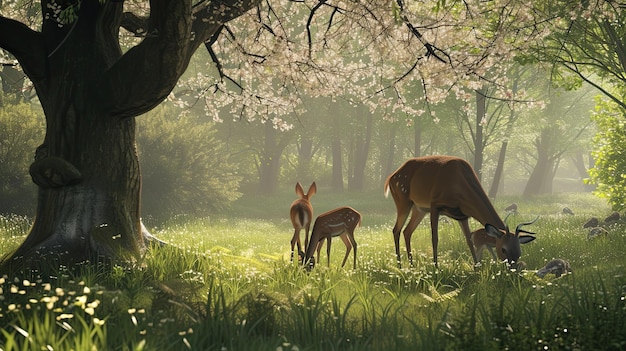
{"x": 26, "y": 45}
{"x": 134, "y": 24}
{"x": 148, "y": 72}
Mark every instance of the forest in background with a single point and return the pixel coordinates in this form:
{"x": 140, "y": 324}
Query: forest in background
{"x": 192, "y": 164}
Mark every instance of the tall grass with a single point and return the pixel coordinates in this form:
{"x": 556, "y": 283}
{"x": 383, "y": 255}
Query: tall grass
{"x": 227, "y": 283}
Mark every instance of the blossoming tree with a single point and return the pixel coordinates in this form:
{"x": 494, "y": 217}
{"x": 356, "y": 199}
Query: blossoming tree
{"x": 98, "y": 64}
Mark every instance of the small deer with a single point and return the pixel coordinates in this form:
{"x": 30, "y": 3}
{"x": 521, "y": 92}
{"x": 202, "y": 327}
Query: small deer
{"x": 301, "y": 213}
{"x": 483, "y": 239}
{"x": 339, "y": 222}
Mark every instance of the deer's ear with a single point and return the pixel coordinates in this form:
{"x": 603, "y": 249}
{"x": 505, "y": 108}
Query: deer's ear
{"x": 312, "y": 190}
{"x": 524, "y": 239}
{"x": 493, "y": 231}
{"x": 299, "y": 190}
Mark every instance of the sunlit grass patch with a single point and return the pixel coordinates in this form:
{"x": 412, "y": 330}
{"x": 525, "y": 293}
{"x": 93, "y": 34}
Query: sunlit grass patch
{"x": 228, "y": 284}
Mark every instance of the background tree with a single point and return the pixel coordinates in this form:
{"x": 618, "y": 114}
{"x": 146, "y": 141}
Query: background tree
{"x": 586, "y": 42}
{"x": 184, "y": 167}
{"x": 561, "y": 128}
{"x": 610, "y": 152}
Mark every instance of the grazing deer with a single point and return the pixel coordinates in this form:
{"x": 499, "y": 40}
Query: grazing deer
{"x": 339, "y": 222}
{"x": 446, "y": 185}
{"x": 301, "y": 213}
{"x": 482, "y": 239}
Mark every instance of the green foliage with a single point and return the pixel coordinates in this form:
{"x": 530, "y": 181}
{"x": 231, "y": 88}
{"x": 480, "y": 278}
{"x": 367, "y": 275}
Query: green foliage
{"x": 21, "y": 131}
{"x": 226, "y": 283}
{"x": 184, "y": 168}
{"x": 609, "y": 172}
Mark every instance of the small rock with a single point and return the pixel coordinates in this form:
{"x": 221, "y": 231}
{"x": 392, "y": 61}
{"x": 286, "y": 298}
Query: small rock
{"x": 596, "y": 231}
{"x": 511, "y": 208}
{"x": 593, "y": 222}
{"x": 557, "y": 267}
{"x": 614, "y": 217}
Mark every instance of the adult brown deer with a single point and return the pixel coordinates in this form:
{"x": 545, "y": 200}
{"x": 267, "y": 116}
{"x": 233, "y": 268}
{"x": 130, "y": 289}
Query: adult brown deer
{"x": 445, "y": 185}
{"x": 301, "y": 213}
{"x": 339, "y": 222}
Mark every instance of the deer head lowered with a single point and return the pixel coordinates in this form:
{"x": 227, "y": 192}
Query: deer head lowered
{"x": 301, "y": 213}
{"x": 339, "y": 222}
{"x": 484, "y": 239}
{"x": 445, "y": 185}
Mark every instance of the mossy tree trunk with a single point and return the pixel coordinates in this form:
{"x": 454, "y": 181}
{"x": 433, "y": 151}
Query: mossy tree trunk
{"x": 87, "y": 169}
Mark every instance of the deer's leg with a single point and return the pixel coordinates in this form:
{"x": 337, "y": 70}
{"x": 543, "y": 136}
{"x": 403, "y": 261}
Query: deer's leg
{"x": 328, "y": 241}
{"x": 493, "y": 254}
{"x": 466, "y": 230}
{"x": 353, "y": 242}
{"x": 479, "y": 252}
{"x": 295, "y": 240}
{"x": 311, "y": 248}
{"x": 348, "y": 244}
{"x": 416, "y": 217}
{"x": 403, "y": 208}
{"x": 434, "y": 227}
{"x": 319, "y": 248}
{"x": 306, "y": 234}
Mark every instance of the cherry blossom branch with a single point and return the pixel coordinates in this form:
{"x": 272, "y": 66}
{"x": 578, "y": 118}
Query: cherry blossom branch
{"x": 431, "y": 50}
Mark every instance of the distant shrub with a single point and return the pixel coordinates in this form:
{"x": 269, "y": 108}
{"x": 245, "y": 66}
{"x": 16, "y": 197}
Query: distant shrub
{"x": 21, "y": 131}
{"x": 609, "y": 172}
{"x": 185, "y": 169}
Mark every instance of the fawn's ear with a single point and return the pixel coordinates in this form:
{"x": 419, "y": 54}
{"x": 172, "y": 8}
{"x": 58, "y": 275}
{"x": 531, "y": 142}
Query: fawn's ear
{"x": 493, "y": 231}
{"x": 312, "y": 190}
{"x": 525, "y": 238}
{"x": 299, "y": 190}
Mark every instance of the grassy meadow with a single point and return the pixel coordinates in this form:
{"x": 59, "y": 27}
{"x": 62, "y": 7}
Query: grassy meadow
{"x": 227, "y": 283}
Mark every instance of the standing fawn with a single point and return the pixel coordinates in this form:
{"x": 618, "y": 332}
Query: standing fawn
{"x": 445, "y": 185}
{"x": 301, "y": 213}
{"x": 339, "y": 222}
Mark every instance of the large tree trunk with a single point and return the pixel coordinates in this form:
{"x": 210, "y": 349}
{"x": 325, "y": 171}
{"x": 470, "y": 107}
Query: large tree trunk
{"x": 87, "y": 169}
